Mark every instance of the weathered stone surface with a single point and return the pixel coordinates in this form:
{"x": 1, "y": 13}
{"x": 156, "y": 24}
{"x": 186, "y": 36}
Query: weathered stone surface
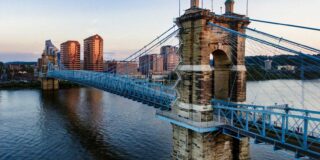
{"x": 49, "y": 84}
{"x": 227, "y": 81}
{"x": 190, "y": 145}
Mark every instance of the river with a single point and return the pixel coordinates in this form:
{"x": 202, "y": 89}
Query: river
{"x": 86, "y": 123}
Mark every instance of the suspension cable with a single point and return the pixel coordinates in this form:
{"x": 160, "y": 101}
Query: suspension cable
{"x": 286, "y": 40}
{"x": 265, "y": 42}
{"x": 269, "y": 22}
{"x": 150, "y": 42}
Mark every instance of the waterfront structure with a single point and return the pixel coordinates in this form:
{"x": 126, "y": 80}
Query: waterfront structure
{"x": 122, "y": 67}
{"x": 151, "y": 64}
{"x": 17, "y": 71}
{"x": 170, "y": 57}
{"x": 70, "y": 55}
{"x": 286, "y": 68}
{"x": 268, "y": 64}
{"x": 93, "y": 53}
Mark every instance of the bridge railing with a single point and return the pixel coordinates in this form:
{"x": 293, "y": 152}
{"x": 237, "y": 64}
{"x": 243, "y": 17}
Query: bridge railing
{"x": 297, "y": 129}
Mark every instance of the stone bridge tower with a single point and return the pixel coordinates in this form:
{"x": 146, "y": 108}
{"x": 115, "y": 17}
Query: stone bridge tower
{"x": 201, "y": 82}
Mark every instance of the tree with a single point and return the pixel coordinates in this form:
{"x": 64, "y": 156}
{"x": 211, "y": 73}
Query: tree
{"x": 1, "y": 68}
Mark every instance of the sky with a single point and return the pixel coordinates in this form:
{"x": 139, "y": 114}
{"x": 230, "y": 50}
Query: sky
{"x": 127, "y": 25}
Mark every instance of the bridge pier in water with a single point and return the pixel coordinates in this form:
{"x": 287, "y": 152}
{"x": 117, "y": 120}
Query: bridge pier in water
{"x": 48, "y": 84}
{"x": 201, "y": 82}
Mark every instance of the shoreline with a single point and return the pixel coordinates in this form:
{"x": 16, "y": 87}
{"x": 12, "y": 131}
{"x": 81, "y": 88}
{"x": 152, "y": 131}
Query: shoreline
{"x": 14, "y": 85}
{"x": 19, "y": 85}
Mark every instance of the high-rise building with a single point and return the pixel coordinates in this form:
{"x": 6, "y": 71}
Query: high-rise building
{"x": 168, "y": 49}
{"x": 122, "y": 67}
{"x": 151, "y": 64}
{"x": 49, "y": 55}
{"x": 70, "y": 55}
{"x": 170, "y": 57}
{"x": 49, "y": 60}
{"x": 93, "y": 53}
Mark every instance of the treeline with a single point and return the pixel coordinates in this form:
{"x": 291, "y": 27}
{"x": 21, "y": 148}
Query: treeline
{"x": 34, "y": 85}
{"x": 280, "y": 60}
{"x": 304, "y": 67}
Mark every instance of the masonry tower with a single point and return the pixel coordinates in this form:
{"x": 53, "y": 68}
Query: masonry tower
{"x": 200, "y": 82}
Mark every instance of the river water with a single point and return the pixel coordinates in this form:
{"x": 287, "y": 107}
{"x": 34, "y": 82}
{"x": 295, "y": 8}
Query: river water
{"x": 87, "y": 123}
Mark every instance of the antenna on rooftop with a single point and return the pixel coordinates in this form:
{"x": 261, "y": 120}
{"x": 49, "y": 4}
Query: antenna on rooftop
{"x": 247, "y": 8}
{"x": 212, "y": 5}
{"x": 179, "y": 8}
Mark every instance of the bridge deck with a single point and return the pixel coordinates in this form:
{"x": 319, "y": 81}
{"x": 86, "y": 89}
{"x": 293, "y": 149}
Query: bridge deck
{"x": 139, "y": 90}
{"x": 296, "y": 132}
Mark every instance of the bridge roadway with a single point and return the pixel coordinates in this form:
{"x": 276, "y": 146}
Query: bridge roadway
{"x": 139, "y": 90}
{"x": 286, "y": 128}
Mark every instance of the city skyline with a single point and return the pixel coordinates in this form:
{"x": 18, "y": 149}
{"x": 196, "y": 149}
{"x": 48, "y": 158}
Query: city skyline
{"x": 124, "y": 86}
{"x": 26, "y": 25}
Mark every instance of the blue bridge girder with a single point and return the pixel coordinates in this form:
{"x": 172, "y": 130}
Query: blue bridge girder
{"x": 139, "y": 90}
{"x": 297, "y": 130}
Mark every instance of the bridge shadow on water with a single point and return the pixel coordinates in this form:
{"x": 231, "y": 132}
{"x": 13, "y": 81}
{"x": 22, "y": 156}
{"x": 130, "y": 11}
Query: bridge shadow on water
{"x": 82, "y": 115}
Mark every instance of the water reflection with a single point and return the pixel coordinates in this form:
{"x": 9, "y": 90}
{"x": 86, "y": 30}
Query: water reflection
{"x": 92, "y": 124}
{"x": 82, "y": 113}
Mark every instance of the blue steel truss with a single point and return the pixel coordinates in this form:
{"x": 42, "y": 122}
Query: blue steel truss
{"x": 288, "y": 128}
{"x": 139, "y": 90}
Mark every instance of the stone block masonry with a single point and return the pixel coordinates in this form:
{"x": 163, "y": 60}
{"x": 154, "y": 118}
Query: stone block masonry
{"x": 49, "y": 84}
{"x": 200, "y": 83}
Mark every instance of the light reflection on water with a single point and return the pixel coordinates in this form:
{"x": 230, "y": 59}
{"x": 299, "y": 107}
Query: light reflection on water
{"x": 90, "y": 124}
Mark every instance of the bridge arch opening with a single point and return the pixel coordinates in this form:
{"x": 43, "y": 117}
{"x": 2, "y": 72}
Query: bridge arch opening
{"x": 221, "y": 64}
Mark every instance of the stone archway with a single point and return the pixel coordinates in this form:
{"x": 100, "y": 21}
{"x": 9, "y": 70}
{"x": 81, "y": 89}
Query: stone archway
{"x": 221, "y": 75}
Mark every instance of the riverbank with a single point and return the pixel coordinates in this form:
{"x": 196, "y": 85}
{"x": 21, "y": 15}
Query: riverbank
{"x": 34, "y": 85}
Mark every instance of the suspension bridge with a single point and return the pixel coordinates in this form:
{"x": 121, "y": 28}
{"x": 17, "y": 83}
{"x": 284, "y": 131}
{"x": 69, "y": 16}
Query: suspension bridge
{"x": 208, "y": 105}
